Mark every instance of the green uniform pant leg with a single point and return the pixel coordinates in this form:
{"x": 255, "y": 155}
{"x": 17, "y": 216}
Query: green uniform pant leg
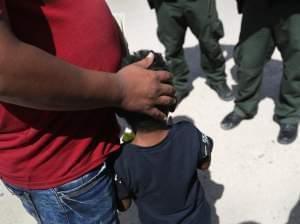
{"x": 204, "y": 23}
{"x": 171, "y": 33}
{"x": 250, "y": 56}
{"x": 287, "y": 34}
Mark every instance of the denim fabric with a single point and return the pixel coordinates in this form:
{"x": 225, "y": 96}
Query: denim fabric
{"x": 89, "y": 199}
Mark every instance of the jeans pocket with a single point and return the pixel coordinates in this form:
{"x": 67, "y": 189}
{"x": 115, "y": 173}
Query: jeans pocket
{"x": 91, "y": 195}
{"x": 82, "y": 184}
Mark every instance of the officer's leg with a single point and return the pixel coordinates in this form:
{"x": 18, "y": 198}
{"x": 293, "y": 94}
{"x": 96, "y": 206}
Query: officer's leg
{"x": 250, "y": 57}
{"x": 203, "y": 20}
{"x": 171, "y": 32}
{"x": 288, "y": 107}
{"x": 287, "y": 111}
{"x": 254, "y": 49}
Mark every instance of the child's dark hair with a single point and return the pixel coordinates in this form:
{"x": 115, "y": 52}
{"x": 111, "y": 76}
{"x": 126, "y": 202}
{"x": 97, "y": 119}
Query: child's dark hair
{"x": 139, "y": 121}
{"x": 157, "y": 64}
{"x": 142, "y": 122}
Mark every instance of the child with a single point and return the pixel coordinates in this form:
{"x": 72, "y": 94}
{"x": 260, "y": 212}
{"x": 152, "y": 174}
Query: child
{"x": 158, "y": 170}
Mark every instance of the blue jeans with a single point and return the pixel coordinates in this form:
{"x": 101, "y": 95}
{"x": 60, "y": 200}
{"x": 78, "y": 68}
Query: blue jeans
{"x": 89, "y": 199}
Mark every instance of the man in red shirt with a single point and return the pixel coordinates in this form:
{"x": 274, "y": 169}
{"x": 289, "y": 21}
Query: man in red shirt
{"x": 59, "y": 80}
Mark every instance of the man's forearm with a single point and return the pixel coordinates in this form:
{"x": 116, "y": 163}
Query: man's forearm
{"x": 33, "y": 78}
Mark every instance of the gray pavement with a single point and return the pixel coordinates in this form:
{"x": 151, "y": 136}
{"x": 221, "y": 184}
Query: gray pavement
{"x": 253, "y": 179}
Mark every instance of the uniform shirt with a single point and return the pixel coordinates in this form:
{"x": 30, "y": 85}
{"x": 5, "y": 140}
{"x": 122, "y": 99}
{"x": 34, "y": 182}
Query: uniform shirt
{"x": 43, "y": 149}
{"x": 162, "y": 179}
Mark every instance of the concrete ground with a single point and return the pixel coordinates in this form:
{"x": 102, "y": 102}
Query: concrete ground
{"x": 253, "y": 179}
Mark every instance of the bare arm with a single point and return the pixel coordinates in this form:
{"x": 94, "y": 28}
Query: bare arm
{"x": 32, "y": 78}
{"x": 204, "y": 164}
{"x": 124, "y": 204}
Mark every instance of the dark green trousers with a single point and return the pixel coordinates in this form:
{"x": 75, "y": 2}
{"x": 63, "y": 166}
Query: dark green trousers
{"x": 174, "y": 17}
{"x": 265, "y": 27}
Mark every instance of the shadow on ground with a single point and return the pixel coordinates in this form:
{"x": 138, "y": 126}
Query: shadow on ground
{"x": 271, "y": 77}
{"x": 213, "y": 191}
{"x": 294, "y": 217}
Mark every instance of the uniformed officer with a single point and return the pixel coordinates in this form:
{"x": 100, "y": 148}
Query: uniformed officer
{"x": 174, "y": 17}
{"x": 267, "y": 24}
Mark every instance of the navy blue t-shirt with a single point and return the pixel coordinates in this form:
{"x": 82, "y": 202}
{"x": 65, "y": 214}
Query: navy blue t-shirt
{"x": 162, "y": 179}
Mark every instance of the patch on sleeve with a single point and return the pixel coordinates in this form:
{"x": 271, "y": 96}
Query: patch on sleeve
{"x": 206, "y": 142}
{"x": 122, "y": 189}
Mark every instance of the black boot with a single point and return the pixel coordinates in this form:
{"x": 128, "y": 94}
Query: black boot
{"x": 288, "y": 133}
{"x": 231, "y": 121}
{"x": 223, "y": 91}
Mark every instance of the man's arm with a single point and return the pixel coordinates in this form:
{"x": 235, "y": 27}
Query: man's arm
{"x": 31, "y": 77}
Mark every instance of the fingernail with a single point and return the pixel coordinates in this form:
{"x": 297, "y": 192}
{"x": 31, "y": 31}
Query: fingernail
{"x": 150, "y": 55}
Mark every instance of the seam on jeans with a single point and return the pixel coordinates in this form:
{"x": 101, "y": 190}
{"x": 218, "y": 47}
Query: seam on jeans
{"x": 37, "y": 215}
{"x": 61, "y": 205}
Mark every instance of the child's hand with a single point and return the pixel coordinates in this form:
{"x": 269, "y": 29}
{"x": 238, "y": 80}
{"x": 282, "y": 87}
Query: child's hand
{"x": 204, "y": 164}
{"x": 124, "y": 204}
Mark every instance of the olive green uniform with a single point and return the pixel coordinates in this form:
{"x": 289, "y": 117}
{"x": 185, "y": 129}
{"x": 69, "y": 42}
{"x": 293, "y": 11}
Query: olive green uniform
{"x": 265, "y": 25}
{"x": 174, "y": 17}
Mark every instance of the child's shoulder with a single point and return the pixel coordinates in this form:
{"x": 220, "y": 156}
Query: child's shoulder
{"x": 186, "y": 128}
{"x": 122, "y": 154}
{"x": 184, "y": 125}
{"x": 125, "y": 149}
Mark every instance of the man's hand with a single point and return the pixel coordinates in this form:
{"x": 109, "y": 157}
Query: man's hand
{"x": 143, "y": 90}
{"x": 33, "y": 78}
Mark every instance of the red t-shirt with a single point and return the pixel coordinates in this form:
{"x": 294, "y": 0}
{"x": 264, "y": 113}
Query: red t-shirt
{"x": 43, "y": 149}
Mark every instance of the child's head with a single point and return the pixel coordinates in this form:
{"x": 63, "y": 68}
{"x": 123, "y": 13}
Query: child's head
{"x": 157, "y": 64}
{"x": 142, "y": 122}
{"x": 138, "y": 121}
